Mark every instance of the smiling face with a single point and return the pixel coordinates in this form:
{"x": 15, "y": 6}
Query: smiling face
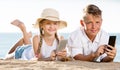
{"x": 92, "y": 20}
{"x": 92, "y": 24}
{"x": 49, "y": 27}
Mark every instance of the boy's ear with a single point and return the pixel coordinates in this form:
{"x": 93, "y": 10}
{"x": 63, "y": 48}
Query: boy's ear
{"x": 81, "y": 22}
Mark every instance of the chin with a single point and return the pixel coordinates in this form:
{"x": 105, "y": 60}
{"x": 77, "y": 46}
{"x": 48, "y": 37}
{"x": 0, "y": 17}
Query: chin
{"x": 52, "y": 33}
{"x": 94, "y": 34}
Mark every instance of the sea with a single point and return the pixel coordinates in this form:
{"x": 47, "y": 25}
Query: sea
{"x": 7, "y": 40}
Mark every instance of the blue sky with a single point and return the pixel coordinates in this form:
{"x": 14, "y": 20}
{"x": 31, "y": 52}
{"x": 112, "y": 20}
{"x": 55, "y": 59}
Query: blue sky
{"x": 70, "y": 10}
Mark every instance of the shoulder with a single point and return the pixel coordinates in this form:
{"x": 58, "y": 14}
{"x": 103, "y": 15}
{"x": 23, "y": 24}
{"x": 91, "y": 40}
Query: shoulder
{"x": 104, "y": 33}
{"x": 103, "y": 37}
{"x": 77, "y": 33}
{"x": 36, "y": 40}
{"x": 36, "y": 37}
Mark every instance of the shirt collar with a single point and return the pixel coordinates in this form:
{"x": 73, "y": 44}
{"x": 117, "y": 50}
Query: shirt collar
{"x": 97, "y": 38}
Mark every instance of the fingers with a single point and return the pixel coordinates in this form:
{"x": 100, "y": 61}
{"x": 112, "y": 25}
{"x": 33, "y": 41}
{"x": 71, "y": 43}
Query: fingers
{"x": 59, "y": 54}
{"x": 64, "y": 50}
{"x": 110, "y": 49}
{"x": 53, "y": 55}
{"x": 100, "y": 50}
{"x": 111, "y": 53}
{"x": 62, "y": 54}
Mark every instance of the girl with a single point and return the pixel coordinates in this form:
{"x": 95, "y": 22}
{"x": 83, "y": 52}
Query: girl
{"x": 45, "y": 44}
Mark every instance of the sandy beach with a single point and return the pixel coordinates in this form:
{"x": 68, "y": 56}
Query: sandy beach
{"x": 56, "y": 65}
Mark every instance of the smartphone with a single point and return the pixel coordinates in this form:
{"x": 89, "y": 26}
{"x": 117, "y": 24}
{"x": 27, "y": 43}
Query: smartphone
{"x": 112, "y": 40}
{"x": 61, "y": 45}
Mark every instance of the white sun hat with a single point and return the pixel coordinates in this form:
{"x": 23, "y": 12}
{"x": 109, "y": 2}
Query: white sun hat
{"x": 50, "y": 14}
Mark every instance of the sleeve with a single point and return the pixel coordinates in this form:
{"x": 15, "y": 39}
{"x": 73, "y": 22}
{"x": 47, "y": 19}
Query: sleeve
{"x": 104, "y": 40}
{"x": 100, "y": 57}
{"x": 74, "y": 46}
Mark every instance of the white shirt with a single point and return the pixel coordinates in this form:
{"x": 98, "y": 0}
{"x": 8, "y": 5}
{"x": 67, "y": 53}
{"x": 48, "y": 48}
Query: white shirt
{"x": 46, "y": 50}
{"x": 81, "y": 44}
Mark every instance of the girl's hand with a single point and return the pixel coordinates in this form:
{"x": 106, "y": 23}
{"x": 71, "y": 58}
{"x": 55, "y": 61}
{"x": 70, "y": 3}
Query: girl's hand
{"x": 61, "y": 55}
{"x": 38, "y": 56}
{"x": 53, "y": 55}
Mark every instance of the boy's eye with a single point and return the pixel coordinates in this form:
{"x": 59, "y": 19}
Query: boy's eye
{"x": 88, "y": 22}
{"x": 97, "y": 22}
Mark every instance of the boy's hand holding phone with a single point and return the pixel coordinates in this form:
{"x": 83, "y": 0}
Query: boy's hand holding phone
{"x": 111, "y": 53}
{"x": 110, "y": 48}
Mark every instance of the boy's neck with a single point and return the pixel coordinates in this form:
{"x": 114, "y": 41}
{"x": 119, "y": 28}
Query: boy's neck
{"x": 91, "y": 37}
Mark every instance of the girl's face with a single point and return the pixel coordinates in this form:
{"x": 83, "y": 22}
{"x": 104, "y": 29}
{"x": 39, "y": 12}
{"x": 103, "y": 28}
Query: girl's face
{"x": 49, "y": 27}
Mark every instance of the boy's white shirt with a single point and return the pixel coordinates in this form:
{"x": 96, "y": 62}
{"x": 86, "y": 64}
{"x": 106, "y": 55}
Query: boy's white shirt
{"x": 80, "y": 43}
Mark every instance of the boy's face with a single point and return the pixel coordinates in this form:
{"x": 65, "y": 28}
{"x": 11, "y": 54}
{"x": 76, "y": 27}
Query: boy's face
{"x": 92, "y": 24}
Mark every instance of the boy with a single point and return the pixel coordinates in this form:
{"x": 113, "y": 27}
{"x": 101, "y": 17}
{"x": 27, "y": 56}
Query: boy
{"x": 88, "y": 42}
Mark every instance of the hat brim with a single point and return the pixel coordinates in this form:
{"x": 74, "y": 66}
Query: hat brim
{"x": 62, "y": 24}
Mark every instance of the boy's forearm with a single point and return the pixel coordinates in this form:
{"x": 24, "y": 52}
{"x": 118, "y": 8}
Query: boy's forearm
{"x": 106, "y": 59}
{"x": 89, "y": 57}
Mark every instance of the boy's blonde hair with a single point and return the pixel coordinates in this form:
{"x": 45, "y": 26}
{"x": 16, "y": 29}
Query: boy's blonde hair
{"x": 91, "y": 10}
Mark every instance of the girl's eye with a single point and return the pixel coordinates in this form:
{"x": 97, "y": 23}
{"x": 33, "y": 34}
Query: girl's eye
{"x": 47, "y": 23}
{"x": 55, "y": 23}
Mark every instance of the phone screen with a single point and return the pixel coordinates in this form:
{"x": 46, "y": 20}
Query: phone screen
{"x": 111, "y": 42}
{"x": 61, "y": 45}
